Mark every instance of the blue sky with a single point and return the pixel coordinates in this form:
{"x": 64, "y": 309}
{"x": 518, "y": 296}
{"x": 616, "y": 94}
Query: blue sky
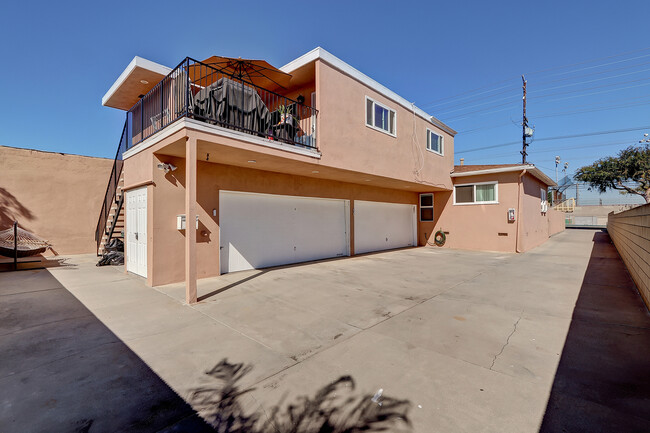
{"x": 59, "y": 58}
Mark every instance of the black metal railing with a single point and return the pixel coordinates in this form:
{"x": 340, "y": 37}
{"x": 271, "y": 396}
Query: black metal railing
{"x": 200, "y": 91}
{"x": 111, "y": 188}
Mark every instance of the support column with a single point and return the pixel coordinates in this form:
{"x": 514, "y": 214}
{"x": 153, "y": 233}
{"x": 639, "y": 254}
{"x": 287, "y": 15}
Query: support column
{"x": 190, "y": 220}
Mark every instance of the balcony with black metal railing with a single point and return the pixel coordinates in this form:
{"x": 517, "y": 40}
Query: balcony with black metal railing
{"x": 203, "y": 92}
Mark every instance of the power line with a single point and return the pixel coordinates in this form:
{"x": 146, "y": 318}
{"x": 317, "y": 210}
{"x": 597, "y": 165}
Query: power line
{"x": 594, "y": 60}
{"x": 480, "y": 90}
{"x": 591, "y": 81}
{"x": 592, "y": 74}
{"x": 591, "y": 88}
{"x": 557, "y": 149}
{"x": 488, "y": 110}
{"x": 559, "y": 114}
{"x": 562, "y": 137}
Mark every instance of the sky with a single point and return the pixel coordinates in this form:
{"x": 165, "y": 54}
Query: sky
{"x": 587, "y": 64}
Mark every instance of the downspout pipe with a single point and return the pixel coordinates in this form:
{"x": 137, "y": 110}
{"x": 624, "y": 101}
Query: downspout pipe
{"x": 519, "y": 184}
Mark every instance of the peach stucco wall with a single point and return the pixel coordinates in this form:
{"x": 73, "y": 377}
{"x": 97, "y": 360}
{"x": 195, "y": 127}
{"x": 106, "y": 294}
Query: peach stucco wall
{"x": 347, "y": 142}
{"x": 533, "y": 223}
{"x": 556, "y": 222}
{"x": 56, "y": 196}
{"x": 476, "y": 227}
{"x": 486, "y": 226}
{"x": 166, "y": 248}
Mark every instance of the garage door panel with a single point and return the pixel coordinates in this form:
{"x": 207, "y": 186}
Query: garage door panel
{"x": 262, "y": 230}
{"x": 324, "y": 233}
{"x": 381, "y": 226}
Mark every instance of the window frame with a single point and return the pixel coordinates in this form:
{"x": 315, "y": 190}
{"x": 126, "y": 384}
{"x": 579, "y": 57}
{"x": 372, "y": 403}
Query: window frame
{"x": 442, "y": 142}
{"x": 496, "y": 193}
{"x": 376, "y": 128}
{"x": 426, "y": 207}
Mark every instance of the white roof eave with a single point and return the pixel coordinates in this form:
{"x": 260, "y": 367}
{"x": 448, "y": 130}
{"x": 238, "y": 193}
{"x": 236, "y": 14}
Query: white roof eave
{"x": 135, "y": 63}
{"x": 332, "y": 60}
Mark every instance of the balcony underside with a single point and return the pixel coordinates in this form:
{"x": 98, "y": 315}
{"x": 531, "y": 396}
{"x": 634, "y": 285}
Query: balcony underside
{"x": 219, "y": 148}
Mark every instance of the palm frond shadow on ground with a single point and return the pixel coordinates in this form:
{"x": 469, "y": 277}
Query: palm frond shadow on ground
{"x": 335, "y": 408}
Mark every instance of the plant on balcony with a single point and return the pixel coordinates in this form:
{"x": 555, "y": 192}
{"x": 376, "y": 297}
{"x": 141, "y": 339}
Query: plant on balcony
{"x": 285, "y": 114}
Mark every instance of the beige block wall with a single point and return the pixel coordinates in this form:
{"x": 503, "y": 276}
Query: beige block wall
{"x": 630, "y": 232}
{"x": 53, "y": 195}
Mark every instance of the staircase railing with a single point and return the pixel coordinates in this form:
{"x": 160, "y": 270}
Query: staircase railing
{"x": 567, "y": 205}
{"x": 111, "y": 188}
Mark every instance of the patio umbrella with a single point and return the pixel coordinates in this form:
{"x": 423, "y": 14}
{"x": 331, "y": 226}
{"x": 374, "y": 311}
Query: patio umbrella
{"x": 257, "y": 72}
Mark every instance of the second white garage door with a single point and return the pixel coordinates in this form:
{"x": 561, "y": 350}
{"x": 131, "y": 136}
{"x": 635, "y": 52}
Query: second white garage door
{"x": 262, "y": 230}
{"x": 382, "y": 226}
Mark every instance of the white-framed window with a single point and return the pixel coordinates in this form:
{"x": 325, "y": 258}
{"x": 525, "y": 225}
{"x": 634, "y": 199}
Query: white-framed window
{"x": 380, "y": 117}
{"x": 426, "y": 207}
{"x": 435, "y": 142}
{"x": 476, "y": 193}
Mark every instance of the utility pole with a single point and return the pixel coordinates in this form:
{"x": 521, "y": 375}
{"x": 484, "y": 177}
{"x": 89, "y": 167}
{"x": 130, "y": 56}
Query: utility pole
{"x": 577, "y": 184}
{"x": 524, "y": 125}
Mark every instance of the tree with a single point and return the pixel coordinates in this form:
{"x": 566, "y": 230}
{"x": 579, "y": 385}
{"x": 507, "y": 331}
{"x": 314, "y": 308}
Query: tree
{"x": 632, "y": 165}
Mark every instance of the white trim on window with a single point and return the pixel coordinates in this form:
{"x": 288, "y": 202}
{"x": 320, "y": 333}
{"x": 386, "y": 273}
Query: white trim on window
{"x": 372, "y": 124}
{"x": 441, "y": 142}
{"x": 496, "y": 193}
{"x": 426, "y": 207}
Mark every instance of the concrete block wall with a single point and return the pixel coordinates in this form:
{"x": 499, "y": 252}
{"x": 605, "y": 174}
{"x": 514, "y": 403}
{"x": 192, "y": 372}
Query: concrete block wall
{"x": 630, "y": 232}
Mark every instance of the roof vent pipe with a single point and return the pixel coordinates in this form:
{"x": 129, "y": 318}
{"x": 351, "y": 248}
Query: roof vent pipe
{"x": 462, "y": 161}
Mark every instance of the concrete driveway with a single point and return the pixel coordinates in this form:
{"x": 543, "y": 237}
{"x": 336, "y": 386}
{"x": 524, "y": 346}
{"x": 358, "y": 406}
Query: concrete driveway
{"x": 457, "y": 341}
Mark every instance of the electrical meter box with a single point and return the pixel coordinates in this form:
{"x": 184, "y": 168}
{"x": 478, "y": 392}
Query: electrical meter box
{"x": 180, "y": 222}
{"x": 511, "y": 214}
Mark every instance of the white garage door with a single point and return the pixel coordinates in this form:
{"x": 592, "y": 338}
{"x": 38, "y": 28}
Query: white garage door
{"x": 382, "y": 226}
{"x": 262, "y": 230}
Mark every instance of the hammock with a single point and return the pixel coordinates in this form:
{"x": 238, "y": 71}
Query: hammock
{"x": 28, "y": 244}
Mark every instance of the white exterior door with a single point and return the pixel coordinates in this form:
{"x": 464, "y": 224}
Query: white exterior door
{"x": 383, "y": 226}
{"x": 262, "y": 230}
{"x": 136, "y": 231}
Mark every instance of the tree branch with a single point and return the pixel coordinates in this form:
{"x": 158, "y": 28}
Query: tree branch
{"x": 628, "y": 189}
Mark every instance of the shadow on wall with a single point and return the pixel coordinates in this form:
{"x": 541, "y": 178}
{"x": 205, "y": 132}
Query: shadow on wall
{"x": 11, "y": 210}
{"x": 602, "y": 382}
{"x": 335, "y": 408}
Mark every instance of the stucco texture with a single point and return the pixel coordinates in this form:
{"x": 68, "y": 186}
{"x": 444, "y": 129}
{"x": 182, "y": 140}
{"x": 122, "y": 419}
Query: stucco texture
{"x": 166, "y": 248}
{"x": 347, "y": 142}
{"x": 55, "y": 196}
{"x": 485, "y": 226}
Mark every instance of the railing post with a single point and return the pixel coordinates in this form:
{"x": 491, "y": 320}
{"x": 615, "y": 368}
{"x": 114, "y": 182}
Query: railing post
{"x": 162, "y": 101}
{"x": 141, "y": 120}
{"x": 187, "y": 88}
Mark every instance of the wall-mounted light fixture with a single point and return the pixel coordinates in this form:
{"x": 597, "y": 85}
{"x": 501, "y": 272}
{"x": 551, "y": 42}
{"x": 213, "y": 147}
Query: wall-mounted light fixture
{"x": 166, "y": 167}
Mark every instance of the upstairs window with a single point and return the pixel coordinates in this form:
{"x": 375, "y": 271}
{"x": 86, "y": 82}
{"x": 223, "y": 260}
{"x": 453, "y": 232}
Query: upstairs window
{"x": 426, "y": 207}
{"x": 479, "y": 193}
{"x": 434, "y": 142}
{"x": 380, "y": 117}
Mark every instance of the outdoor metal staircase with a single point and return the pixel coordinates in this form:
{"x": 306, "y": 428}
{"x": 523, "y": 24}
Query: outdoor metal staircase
{"x": 566, "y": 206}
{"x": 110, "y": 224}
{"x": 115, "y": 221}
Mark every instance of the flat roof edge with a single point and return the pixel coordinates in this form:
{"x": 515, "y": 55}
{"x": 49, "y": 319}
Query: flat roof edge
{"x": 319, "y": 53}
{"x": 531, "y": 169}
{"x": 136, "y": 62}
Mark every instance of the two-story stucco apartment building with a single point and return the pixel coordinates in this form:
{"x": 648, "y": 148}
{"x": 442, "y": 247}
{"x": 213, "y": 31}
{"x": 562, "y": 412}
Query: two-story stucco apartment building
{"x": 225, "y": 172}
